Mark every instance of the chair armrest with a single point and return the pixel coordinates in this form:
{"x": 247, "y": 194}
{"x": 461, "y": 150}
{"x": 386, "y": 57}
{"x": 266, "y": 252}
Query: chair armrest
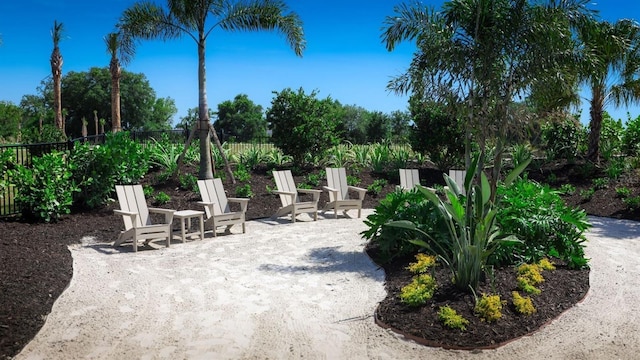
{"x": 284, "y": 192}
{"x": 168, "y": 213}
{"x": 361, "y": 191}
{"x": 242, "y": 201}
{"x": 314, "y": 192}
{"x": 330, "y": 189}
{"x": 125, "y": 213}
{"x": 130, "y": 214}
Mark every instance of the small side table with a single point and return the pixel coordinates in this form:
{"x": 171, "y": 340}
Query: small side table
{"x": 187, "y": 215}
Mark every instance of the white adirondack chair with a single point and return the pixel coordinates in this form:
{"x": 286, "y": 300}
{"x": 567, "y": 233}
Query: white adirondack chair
{"x": 137, "y": 222}
{"x": 290, "y": 199}
{"x": 339, "y": 192}
{"x": 409, "y": 178}
{"x": 216, "y": 206}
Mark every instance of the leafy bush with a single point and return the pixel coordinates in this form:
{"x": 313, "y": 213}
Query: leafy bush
{"x": 567, "y": 189}
{"x": 523, "y": 305}
{"x": 393, "y": 242}
{"x": 538, "y": 216}
{"x": 587, "y": 194}
{"x": 303, "y": 124}
{"x": 164, "y": 154}
{"x": 241, "y": 174}
{"x": 632, "y": 203}
{"x": 45, "y": 190}
{"x": 631, "y": 137}
{"x": 353, "y": 180}
{"x": 600, "y": 183}
{"x": 489, "y": 307}
{"x": 561, "y": 138}
{"x": 451, "y": 319}
{"x": 97, "y": 169}
{"x": 6, "y": 163}
{"x": 162, "y": 198}
{"x": 471, "y": 225}
{"x": 375, "y": 188}
{"x": 188, "y": 182}
{"x": 419, "y": 290}
{"x": 244, "y": 191}
{"x": 615, "y": 168}
{"x": 423, "y": 264}
{"x": 252, "y": 157}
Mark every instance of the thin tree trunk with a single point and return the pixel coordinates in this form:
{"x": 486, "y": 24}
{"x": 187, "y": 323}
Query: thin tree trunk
{"x": 595, "y": 125}
{"x": 56, "y": 72}
{"x": 116, "y": 74}
{"x": 203, "y": 120}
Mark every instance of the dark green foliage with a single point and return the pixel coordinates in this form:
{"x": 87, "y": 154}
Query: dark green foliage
{"x": 402, "y": 205}
{"x": 631, "y": 137}
{"x": 45, "y": 189}
{"x": 546, "y": 226}
{"x": 561, "y": 138}
{"x": 47, "y": 134}
{"x": 241, "y": 174}
{"x": 436, "y": 133}
{"x": 97, "y": 169}
{"x": 10, "y": 118}
{"x": 188, "y": 182}
{"x": 162, "y": 198}
{"x": 375, "y": 188}
{"x": 244, "y": 191}
{"x": 302, "y": 124}
{"x": 240, "y": 120}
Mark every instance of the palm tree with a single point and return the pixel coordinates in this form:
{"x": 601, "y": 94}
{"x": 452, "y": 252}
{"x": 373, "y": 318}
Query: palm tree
{"x": 611, "y": 65}
{"x": 145, "y": 20}
{"x": 56, "y": 72}
{"x": 476, "y": 56}
{"x": 121, "y": 51}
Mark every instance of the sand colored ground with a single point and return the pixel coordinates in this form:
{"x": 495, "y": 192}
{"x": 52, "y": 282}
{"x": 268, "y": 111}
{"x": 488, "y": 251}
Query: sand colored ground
{"x": 303, "y": 290}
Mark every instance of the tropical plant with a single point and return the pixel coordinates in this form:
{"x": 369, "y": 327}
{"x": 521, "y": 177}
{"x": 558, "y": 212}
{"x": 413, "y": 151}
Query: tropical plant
{"x": 161, "y": 198}
{"x": 45, "y": 189}
{"x": 609, "y": 50}
{"x": 631, "y": 137}
{"x": 56, "y": 72}
{"x": 252, "y": 157}
{"x": 164, "y": 154}
{"x": 376, "y": 187}
{"x": 394, "y": 242}
{"x": 244, "y": 191}
{"x": 561, "y": 138}
{"x": 97, "y": 169}
{"x": 545, "y": 225}
{"x": 147, "y": 21}
{"x": 471, "y": 223}
{"x": 478, "y": 56}
{"x": 121, "y": 50}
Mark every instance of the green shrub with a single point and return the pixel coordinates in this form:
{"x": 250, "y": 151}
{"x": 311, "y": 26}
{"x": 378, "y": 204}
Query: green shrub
{"x": 561, "y": 138}
{"x": 600, "y": 183}
{"x": 393, "y": 242}
{"x": 538, "y": 216}
{"x": 164, "y": 154}
{"x": 632, "y": 203}
{"x": 375, "y": 188}
{"x": 489, "y": 307}
{"x": 188, "y": 182}
{"x": 97, "y": 169}
{"x": 419, "y": 290}
{"x": 244, "y": 191}
{"x": 587, "y": 194}
{"x": 241, "y": 174}
{"x": 423, "y": 264}
{"x": 523, "y": 305}
{"x": 623, "y": 192}
{"x": 6, "y": 163}
{"x": 615, "y": 168}
{"x": 45, "y": 190}
{"x": 567, "y": 189}
{"x": 451, "y": 319}
{"x": 631, "y": 137}
{"x": 353, "y": 180}
{"x": 162, "y": 198}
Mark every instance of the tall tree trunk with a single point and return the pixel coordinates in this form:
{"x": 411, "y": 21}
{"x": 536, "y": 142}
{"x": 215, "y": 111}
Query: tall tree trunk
{"x": 595, "y": 124}
{"x": 95, "y": 120}
{"x": 203, "y": 120}
{"x": 56, "y": 73}
{"x": 116, "y": 74}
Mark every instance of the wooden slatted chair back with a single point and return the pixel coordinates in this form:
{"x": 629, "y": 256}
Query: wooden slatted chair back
{"x": 409, "y": 178}
{"x": 284, "y": 182}
{"x": 458, "y": 177}
{"x": 337, "y": 179}
{"x": 131, "y": 198}
{"x": 212, "y": 191}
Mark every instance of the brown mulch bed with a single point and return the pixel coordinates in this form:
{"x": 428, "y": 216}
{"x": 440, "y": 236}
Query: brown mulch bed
{"x": 36, "y": 266}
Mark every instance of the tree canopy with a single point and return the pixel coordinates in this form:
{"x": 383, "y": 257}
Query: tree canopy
{"x": 240, "y": 119}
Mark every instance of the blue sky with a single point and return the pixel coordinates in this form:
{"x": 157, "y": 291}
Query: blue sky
{"x": 344, "y": 58}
